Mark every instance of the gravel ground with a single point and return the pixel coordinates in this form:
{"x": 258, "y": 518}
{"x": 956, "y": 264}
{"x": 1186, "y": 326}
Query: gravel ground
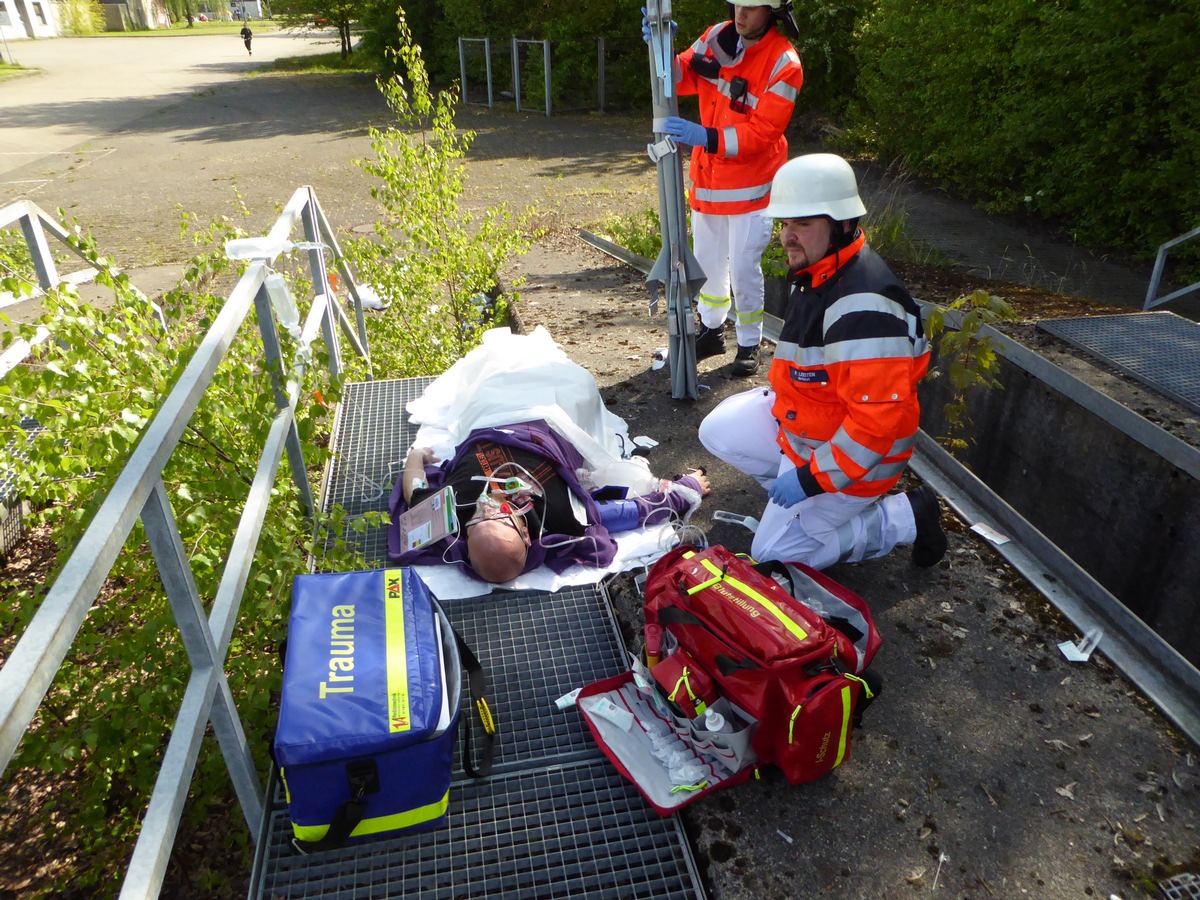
{"x": 1021, "y": 773}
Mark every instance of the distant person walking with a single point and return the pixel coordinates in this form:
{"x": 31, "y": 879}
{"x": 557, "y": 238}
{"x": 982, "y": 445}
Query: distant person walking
{"x": 247, "y": 34}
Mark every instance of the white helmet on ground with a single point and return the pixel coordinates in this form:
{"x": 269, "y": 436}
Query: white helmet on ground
{"x": 819, "y": 184}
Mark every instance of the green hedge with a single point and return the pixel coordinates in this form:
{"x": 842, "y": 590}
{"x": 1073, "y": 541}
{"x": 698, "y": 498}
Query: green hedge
{"x": 1085, "y": 112}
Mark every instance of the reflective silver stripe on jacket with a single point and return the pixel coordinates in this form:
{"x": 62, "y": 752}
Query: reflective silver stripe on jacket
{"x": 731, "y": 141}
{"x": 734, "y": 195}
{"x": 872, "y": 302}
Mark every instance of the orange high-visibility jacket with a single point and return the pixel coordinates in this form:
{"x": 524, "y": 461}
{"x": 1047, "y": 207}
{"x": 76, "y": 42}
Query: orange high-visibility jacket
{"x": 845, "y": 373}
{"x": 736, "y": 177}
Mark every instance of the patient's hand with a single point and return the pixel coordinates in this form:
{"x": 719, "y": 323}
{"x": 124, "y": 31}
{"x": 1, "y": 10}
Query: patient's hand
{"x": 701, "y": 477}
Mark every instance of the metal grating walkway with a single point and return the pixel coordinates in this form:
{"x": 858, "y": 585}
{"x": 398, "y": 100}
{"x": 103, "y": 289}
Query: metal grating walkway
{"x": 572, "y": 831}
{"x": 555, "y": 819}
{"x": 1159, "y": 349}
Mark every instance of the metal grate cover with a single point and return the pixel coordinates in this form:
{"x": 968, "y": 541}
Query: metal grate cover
{"x": 1159, "y": 349}
{"x": 535, "y": 647}
{"x": 577, "y": 831}
{"x": 1181, "y": 887}
{"x": 371, "y": 436}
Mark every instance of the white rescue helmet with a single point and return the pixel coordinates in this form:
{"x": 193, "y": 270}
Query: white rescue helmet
{"x": 774, "y": 4}
{"x": 818, "y": 184}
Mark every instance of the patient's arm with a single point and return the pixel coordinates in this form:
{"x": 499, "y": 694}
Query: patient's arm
{"x": 414, "y": 470}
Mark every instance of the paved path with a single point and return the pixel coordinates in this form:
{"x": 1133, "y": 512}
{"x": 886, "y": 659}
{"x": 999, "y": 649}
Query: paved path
{"x": 88, "y": 88}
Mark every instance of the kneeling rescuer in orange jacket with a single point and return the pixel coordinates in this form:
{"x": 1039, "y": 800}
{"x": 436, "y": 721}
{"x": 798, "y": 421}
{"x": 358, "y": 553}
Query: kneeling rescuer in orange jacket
{"x": 833, "y": 433}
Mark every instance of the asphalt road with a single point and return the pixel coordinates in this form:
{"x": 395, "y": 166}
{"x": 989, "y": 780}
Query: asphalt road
{"x": 86, "y": 89}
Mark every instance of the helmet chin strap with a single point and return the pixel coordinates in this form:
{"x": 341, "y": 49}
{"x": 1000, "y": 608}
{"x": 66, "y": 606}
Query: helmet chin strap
{"x": 784, "y": 16}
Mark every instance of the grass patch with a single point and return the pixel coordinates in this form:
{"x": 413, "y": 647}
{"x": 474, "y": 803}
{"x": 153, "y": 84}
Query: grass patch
{"x": 322, "y": 62}
{"x": 181, "y": 29}
{"x": 10, "y": 70}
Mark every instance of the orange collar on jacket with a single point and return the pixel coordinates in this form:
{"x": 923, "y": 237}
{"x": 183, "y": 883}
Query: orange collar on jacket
{"x": 825, "y": 267}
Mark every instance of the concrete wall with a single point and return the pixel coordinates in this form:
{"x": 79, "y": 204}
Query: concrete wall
{"x": 1118, "y": 507}
{"x": 29, "y": 18}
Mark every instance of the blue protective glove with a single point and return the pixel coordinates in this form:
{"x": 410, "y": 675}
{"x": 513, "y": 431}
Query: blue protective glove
{"x": 646, "y": 27}
{"x": 685, "y": 132}
{"x": 787, "y": 490}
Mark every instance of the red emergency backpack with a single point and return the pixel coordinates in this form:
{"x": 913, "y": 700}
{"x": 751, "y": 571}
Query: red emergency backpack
{"x": 794, "y": 659}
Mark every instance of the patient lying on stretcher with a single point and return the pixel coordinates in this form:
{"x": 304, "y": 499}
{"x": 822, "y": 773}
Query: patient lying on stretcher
{"x": 524, "y": 499}
{"x": 525, "y": 441}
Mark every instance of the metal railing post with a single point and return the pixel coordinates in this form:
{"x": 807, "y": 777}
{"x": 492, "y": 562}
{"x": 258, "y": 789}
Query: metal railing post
{"x": 516, "y": 70}
{"x": 600, "y": 73}
{"x": 462, "y": 70}
{"x": 39, "y": 250}
{"x": 487, "y": 62}
{"x": 1160, "y": 263}
{"x": 546, "y": 74}
{"x": 316, "y": 262}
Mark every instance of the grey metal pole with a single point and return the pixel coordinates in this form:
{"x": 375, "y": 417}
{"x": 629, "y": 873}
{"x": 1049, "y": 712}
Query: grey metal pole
{"x": 487, "y": 61}
{"x": 462, "y": 70}
{"x": 546, "y": 79}
{"x": 516, "y": 66}
{"x": 600, "y": 72}
{"x": 676, "y": 269}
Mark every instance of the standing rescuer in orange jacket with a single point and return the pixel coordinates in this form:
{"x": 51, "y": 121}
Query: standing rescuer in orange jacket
{"x": 831, "y": 436}
{"x": 746, "y": 76}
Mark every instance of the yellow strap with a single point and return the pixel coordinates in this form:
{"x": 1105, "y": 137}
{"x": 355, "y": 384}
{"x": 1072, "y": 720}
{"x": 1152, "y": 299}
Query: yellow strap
{"x": 485, "y": 716}
{"x": 865, "y": 687}
{"x": 689, "y": 787}
{"x": 792, "y": 723}
{"x": 682, "y": 682}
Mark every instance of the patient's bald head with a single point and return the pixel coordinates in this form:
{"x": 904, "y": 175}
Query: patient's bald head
{"x": 497, "y": 548}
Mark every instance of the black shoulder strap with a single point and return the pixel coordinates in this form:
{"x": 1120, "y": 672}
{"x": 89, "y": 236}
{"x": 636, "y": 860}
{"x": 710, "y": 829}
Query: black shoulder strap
{"x": 477, "y": 680}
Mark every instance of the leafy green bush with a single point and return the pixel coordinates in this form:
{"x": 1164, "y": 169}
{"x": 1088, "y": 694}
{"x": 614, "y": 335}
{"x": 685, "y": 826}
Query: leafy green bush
{"x": 94, "y": 386}
{"x": 970, "y": 361}
{"x": 1084, "y": 113}
{"x": 437, "y": 264}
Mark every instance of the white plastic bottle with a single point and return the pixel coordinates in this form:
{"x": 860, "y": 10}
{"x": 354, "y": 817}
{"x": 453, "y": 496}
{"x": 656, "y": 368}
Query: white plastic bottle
{"x": 714, "y": 721}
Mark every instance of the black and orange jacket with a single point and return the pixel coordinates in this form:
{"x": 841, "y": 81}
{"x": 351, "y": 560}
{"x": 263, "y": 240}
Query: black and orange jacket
{"x": 732, "y": 175}
{"x": 850, "y": 353}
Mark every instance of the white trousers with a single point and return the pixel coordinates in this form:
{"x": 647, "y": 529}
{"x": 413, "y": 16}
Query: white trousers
{"x": 819, "y": 531}
{"x": 729, "y": 250}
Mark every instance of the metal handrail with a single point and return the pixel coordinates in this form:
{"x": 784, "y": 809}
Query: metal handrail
{"x": 139, "y": 493}
{"x": 36, "y": 227}
{"x": 1160, "y": 263}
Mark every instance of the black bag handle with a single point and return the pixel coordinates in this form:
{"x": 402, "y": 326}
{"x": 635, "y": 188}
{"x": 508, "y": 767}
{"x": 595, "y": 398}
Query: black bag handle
{"x": 363, "y": 779}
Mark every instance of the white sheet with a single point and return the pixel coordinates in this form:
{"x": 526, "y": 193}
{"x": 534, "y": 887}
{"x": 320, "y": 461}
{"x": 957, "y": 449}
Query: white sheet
{"x": 512, "y": 378}
{"x": 636, "y": 548}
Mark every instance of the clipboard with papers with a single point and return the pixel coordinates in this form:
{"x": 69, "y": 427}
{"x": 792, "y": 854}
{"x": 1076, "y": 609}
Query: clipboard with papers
{"x": 430, "y": 520}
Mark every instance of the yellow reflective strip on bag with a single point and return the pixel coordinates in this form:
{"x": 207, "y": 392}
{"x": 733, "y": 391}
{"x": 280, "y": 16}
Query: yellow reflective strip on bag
{"x": 395, "y": 822}
{"x": 787, "y": 622}
{"x": 847, "y": 709}
{"x": 396, "y": 652}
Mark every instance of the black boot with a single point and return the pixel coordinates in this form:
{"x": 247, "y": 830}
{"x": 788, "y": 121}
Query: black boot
{"x": 930, "y": 545}
{"x": 746, "y": 361}
{"x": 709, "y": 341}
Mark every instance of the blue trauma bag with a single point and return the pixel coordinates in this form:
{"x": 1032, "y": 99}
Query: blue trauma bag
{"x": 372, "y": 682}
